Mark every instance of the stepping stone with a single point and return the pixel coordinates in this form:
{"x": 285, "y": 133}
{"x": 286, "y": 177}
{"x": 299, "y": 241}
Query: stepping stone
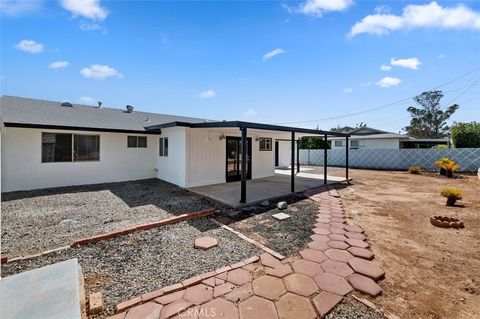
{"x": 367, "y": 268}
{"x": 322, "y": 215}
{"x": 279, "y": 272}
{"x": 336, "y": 230}
{"x": 166, "y": 299}
{"x": 257, "y": 308}
{"x": 198, "y": 294}
{"x": 322, "y": 225}
{"x": 268, "y": 287}
{"x": 325, "y": 302}
{"x": 292, "y": 306}
{"x": 307, "y": 268}
{"x": 323, "y": 220}
{"x": 313, "y": 255}
{"x": 147, "y": 310}
{"x": 205, "y": 243}
{"x": 269, "y": 261}
{"x": 336, "y": 268}
{"x": 338, "y": 220}
{"x": 353, "y": 228}
{"x": 320, "y": 238}
{"x": 174, "y": 308}
{"x": 223, "y": 309}
{"x": 239, "y": 276}
{"x": 364, "y": 284}
{"x": 338, "y": 244}
{"x": 300, "y": 284}
{"x": 338, "y": 225}
{"x": 209, "y": 281}
{"x": 361, "y": 252}
{"x": 339, "y": 255}
{"x": 357, "y": 243}
{"x": 241, "y": 293}
{"x": 321, "y": 231}
{"x": 337, "y": 237}
{"x": 281, "y": 216}
{"x": 317, "y": 245}
{"x": 333, "y": 284}
{"x": 222, "y": 289}
{"x": 353, "y": 235}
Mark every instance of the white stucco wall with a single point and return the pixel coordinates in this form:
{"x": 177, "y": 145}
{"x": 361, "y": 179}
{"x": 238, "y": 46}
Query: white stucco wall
{"x": 380, "y": 143}
{"x": 22, "y": 168}
{"x": 284, "y": 153}
{"x": 206, "y": 163}
{"x": 172, "y": 168}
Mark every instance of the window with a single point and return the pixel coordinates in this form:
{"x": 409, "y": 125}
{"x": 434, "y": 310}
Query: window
{"x": 338, "y": 143}
{"x": 59, "y": 147}
{"x": 354, "y": 144}
{"x": 86, "y": 148}
{"x": 56, "y": 147}
{"x": 163, "y": 147}
{"x": 136, "y": 141}
{"x": 265, "y": 144}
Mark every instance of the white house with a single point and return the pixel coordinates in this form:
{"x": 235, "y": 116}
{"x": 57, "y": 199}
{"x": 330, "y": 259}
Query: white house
{"x": 370, "y": 138}
{"x": 51, "y": 144}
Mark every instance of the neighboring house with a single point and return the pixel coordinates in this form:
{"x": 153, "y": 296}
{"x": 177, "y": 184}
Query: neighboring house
{"x": 50, "y": 144}
{"x": 369, "y": 138}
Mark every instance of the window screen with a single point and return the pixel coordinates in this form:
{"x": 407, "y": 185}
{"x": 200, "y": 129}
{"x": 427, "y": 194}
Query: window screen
{"x": 56, "y": 147}
{"x": 86, "y": 147}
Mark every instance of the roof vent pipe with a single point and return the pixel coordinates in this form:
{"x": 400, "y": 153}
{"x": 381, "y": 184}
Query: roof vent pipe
{"x": 67, "y": 104}
{"x": 129, "y": 108}
{"x": 99, "y": 104}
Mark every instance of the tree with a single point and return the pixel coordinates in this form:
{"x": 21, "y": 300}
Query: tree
{"x": 430, "y": 119}
{"x": 311, "y": 143}
{"x": 466, "y": 134}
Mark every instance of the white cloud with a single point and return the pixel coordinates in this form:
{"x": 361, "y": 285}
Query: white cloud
{"x": 267, "y": 56}
{"x": 442, "y": 56}
{"x": 410, "y": 63}
{"x": 89, "y": 9}
{"x": 318, "y": 7}
{"x": 384, "y": 67}
{"x": 430, "y": 15}
{"x": 92, "y": 27}
{"x": 18, "y": 7}
{"x": 348, "y": 90}
{"x": 30, "y": 46}
{"x": 59, "y": 65}
{"x": 100, "y": 72}
{"x": 207, "y": 94}
{"x": 366, "y": 84}
{"x": 87, "y": 100}
{"x": 388, "y": 82}
{"x": 250, "y": 112}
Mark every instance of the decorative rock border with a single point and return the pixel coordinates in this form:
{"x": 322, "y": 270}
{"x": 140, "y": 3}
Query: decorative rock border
{"x": 446, "y": 222}
{"x": 335, "y": 263}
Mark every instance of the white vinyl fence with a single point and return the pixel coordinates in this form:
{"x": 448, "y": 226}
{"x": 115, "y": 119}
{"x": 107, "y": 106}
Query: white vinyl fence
{"x": 394, "y": 159}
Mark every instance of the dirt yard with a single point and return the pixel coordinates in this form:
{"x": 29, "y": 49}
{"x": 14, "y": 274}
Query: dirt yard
{"x": 430, "y": 272}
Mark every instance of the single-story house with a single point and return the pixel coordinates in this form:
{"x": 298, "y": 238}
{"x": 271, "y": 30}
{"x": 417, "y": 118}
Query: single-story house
{"x": 369, "y": 138}
{"x": 51, "y": 144}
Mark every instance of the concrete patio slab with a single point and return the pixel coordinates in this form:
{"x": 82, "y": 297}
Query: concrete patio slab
{"x": 50, "y": 292}
{"x": 261, "y": 189}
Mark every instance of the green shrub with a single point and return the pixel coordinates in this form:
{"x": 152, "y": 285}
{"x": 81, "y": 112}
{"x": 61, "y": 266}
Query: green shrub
{"x": 466, "y": 135}
{"x": 452, "y": 195}
{"x": 414, "y": 170}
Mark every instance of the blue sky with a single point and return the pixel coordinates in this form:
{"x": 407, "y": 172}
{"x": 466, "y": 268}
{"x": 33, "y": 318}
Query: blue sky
{"x": 304, "y": 63}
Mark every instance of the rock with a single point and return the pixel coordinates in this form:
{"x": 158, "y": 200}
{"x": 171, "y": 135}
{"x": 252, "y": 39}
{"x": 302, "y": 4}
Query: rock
{"x": 281, "y": 216}
{"x": 205, "y": 243}
{"x": 265, "y": 203}
{"x": 282, "y": 205}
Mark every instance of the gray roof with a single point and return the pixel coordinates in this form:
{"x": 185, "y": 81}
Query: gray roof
{"x": 19, "y": 111}
{"x": 376, "y": 136}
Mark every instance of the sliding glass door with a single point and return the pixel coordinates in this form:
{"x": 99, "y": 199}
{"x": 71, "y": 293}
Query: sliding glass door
{"x": 234, "y": 158}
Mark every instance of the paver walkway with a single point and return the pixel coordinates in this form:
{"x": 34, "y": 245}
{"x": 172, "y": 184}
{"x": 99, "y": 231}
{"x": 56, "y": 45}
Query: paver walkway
{"x": 335, "y": 262}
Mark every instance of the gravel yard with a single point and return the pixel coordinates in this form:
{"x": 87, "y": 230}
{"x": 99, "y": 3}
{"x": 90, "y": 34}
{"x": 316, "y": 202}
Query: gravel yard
{"x": 40, "y": 220}
{"x": 128, "y": 266}
{"x": 286, "y": 237}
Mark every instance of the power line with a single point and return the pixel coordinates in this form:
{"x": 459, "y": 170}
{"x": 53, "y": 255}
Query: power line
{"x": 381, "y": 106}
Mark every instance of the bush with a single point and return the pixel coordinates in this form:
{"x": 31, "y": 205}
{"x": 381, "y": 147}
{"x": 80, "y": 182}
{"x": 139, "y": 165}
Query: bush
{"x": 447, "y": 166}
{"x": 452, "y": 195}
{"x": 466, "y": 134}
{"x": 414, "y": 170}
